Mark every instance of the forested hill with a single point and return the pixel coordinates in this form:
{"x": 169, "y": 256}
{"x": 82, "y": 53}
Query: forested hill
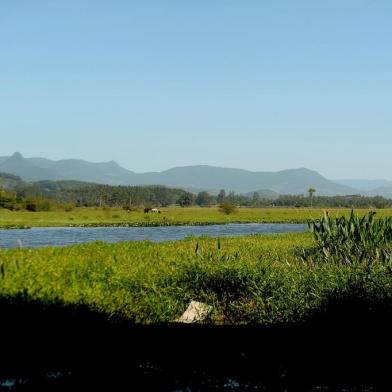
{"x": 202, "y": 177}
{"x": 10, "y": 181}
{"x": 90, "y": 194}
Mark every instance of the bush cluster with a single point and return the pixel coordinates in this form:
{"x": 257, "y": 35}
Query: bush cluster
{"x": 11, "y": 201}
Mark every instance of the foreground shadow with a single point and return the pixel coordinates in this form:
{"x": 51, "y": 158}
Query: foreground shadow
{"x": 59, "y": 348}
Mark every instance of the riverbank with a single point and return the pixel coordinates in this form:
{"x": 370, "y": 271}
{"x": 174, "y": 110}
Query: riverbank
{"x": 114, "y": 217}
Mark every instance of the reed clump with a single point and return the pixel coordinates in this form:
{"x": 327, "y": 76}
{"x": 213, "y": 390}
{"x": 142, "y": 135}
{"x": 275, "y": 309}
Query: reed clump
{"x": 351, "y": 239}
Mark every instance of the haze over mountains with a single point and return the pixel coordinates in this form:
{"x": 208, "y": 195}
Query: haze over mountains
{"x": 367, "y": 185}
{"x": 210, "y": 178}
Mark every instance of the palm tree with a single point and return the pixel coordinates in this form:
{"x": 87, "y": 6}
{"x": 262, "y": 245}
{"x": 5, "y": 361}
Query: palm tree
{"x": 311, "y": 192}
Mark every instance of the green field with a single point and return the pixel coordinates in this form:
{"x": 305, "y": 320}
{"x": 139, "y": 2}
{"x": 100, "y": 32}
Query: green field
{"x": 169, "y": 216}
{"x": 256, "y": 279}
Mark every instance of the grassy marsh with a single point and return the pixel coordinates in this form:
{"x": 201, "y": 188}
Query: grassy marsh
{"x": 169, "y": 216}
{"x": 256, "y": 279}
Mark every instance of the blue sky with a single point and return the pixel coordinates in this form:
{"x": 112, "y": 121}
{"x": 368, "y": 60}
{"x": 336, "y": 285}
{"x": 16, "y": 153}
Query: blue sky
{"x": 261, "y": 85}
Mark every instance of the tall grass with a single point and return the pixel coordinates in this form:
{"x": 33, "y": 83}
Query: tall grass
{"x": 352, "y": 239}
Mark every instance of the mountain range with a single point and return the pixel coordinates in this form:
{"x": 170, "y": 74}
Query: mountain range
{"x": 192, "y": 178}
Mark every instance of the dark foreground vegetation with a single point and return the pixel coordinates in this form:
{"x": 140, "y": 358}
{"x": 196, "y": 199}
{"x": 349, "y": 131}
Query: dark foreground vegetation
{"x": 66, "y": 348}
{"x": 289, "y": 313}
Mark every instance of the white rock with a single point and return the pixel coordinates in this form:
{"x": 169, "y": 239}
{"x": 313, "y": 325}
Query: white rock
{"x": 197, "y": 311}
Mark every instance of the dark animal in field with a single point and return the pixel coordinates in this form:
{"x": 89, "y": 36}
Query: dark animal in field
{"x": 156, "y": 210}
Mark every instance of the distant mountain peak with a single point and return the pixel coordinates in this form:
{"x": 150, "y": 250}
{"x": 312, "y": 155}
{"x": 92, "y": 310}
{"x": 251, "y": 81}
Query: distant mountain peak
{"x": 113, "y": 164}
{"x": 16, "y": 156}
{"x": 16, "y": 159}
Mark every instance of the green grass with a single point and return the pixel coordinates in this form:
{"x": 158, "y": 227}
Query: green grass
{"x": 169, "y": 216}
{"x": 256, "y": 279}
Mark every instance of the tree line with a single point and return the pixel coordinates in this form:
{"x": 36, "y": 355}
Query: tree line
{"x": 10, "y": 200}
{"x": 47, "y": 195}
{"x": 255, "y": 200}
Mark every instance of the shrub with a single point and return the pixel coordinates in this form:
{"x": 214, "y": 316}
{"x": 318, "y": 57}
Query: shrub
{"x": 31, "y": 206}
{"x": 68, "y": 207}
{"x": 228, "y": 209}
{"x": 35, "y": 205}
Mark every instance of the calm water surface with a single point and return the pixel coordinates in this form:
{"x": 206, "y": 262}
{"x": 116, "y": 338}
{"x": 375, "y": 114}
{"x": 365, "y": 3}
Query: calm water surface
{"x": 62, "y": 236}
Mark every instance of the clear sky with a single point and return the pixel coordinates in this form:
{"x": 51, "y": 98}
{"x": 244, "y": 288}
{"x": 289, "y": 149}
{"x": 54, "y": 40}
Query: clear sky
{"x": 261, "y": 85}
